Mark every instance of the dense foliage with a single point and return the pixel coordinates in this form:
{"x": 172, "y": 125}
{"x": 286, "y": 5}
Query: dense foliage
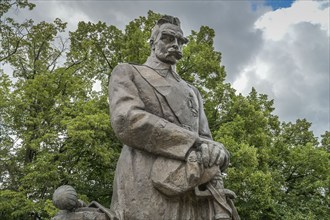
{"x": 55, "y": 129}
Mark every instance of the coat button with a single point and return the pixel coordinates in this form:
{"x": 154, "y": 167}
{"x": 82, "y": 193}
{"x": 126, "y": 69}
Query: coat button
{"x": 194, "y": 112}
{"x": 171, "y": 119}
{"x": 190, "y": 103}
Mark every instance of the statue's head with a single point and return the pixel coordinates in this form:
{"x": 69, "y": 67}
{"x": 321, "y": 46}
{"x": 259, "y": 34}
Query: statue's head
{"x": 167, "y": 40}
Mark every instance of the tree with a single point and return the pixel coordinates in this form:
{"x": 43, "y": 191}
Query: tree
{"x": 55, "y": 128}
{"x": 326, "y": 140}
{"x": 247, "y": 128}
{"x": 12, "y": 32}
{"x": 301, "y": 167}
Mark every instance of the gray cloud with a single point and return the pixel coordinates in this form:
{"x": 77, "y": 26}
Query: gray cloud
{"x": 298, "y": 65}
{"x": 233, "y": 21}
{"x": 298, "y": 75}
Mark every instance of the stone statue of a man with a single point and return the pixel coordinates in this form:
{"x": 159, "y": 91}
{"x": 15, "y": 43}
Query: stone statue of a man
{"x": 169, "y": 167}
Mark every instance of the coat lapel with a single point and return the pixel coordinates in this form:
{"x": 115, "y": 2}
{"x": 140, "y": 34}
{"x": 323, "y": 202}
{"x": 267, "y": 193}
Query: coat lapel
{"x": 176, "y": 97}
{"x": 154, "y": 79}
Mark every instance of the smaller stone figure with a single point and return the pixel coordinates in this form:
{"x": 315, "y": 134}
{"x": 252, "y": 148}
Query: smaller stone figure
{"x": 65, "y": 198}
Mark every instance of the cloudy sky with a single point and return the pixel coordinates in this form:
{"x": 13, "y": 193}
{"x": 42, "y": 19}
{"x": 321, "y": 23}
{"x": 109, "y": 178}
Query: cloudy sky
{"x": 280, "y": 47}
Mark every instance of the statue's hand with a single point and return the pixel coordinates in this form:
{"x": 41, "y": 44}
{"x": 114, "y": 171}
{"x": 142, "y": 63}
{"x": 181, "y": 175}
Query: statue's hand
{"x": 213, "y": 153}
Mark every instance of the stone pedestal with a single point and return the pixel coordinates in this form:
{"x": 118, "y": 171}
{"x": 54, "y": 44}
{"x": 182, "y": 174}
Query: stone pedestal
{"x": 81, "y": 214}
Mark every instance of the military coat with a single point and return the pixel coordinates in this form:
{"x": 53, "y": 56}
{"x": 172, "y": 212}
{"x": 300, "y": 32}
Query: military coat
{"x": 155, "y": 114}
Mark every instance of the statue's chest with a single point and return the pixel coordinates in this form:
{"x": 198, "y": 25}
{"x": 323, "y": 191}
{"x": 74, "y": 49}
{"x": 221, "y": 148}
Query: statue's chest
{"x": 179, "y": 95}
{"x": 184, "y": 103}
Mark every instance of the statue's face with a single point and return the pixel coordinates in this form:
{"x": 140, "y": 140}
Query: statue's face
{"x": 168, "y": 44}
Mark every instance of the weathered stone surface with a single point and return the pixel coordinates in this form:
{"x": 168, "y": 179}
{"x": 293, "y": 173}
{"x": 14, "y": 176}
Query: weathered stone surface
{"x": 65, "y": 198}
{"x": 169, "y": 167}
{"x": 82, "y": 214}
{"x": 168, "y": 148}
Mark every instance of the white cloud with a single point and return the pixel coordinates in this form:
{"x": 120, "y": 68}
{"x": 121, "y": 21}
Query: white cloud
{"x": 292, "y": 66}
{"x": 241, "y": 82}
{"x": 66, "y": 12}
{"x": 275, "y": 24}
{"x": 260, "y": 70}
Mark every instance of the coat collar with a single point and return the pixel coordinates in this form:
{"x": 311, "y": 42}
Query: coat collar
{"x": 161, "y": 68}
{"x": 156, "y": 64}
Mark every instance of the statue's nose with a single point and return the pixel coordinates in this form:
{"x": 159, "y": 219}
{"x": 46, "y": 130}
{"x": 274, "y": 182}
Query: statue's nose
{"x": 175, "y": 44}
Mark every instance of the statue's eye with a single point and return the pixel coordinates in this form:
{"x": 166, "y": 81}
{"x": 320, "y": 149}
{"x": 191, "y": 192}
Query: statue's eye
{"x": 167, "y": 38}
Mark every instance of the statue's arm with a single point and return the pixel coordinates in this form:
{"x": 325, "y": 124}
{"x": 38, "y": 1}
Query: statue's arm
{"x": 204, "y": 130}
{"x": 138, "y": 128}
{"x": 205, "y": 133}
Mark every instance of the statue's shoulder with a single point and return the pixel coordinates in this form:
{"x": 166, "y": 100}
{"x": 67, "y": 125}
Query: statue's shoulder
{"x": 123, "y": 69}
{"x": 128, "y": 70}
{"x": 191, "y": 86}
{"x": 129, "y": 67}
{"x": 194, "y": 89}
{"x": 121, "y": 66}
{"x": 139, "y": 66}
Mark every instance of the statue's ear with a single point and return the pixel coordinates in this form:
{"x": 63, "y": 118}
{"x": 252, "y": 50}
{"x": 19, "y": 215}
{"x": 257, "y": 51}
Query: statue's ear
{"x": 185, "y": 40}
{"x": 152, "y": 45}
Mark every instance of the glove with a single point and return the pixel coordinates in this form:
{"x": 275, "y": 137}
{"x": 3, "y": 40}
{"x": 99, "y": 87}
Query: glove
{"x": 213, "y": 153}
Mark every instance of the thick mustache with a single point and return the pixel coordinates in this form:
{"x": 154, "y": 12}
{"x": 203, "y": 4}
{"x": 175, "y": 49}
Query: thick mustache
{"x": 175, "y": 52}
